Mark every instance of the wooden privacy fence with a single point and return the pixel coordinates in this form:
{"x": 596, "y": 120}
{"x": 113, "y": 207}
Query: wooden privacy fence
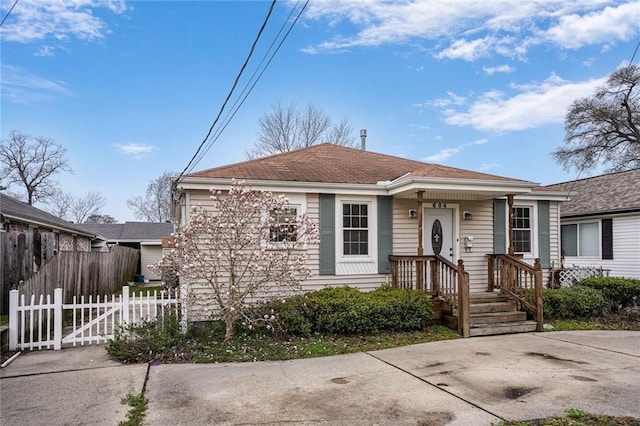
{"x": 84, "y": 273}
{"x": 21, "y": 255}
{"x": 42, "y": 323}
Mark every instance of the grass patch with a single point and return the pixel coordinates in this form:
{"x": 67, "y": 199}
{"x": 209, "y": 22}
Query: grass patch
{"x": 138, "y": 410}
{"x": 205, "y": 344}
{"x": 140, "y": 290}
{"x": 4, "y": 319}
{"x": 576, "y": 417}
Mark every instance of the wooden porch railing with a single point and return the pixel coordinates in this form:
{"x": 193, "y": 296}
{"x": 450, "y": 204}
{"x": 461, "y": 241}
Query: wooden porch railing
{"x": 519, "y": 280}
{"x": 438, "y": 277}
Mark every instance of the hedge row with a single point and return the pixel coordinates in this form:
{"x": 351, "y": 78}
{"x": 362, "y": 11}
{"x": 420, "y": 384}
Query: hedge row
{"x": 593, "y": 297}
{"x": 349, "y": 311}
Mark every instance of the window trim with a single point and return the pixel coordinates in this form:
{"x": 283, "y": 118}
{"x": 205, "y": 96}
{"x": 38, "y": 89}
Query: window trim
{"x": 577, "y": 225}
{"x": 533, "y": 229}
{"x": 297, "y": 201}
{"x": 363, "y": 264}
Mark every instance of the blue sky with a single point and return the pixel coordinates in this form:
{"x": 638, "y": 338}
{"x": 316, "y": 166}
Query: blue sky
{"x": 130, "y": 88}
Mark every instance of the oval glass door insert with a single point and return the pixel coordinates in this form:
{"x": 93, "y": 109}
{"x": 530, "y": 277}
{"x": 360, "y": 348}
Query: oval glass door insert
{"x": 436, "y": 237}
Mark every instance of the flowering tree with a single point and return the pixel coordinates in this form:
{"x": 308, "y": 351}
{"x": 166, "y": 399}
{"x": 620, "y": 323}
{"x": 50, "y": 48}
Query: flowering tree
{"x": 250, "y": 246}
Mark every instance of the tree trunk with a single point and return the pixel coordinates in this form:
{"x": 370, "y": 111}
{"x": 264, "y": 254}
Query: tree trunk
{"x": 228, "y": 334}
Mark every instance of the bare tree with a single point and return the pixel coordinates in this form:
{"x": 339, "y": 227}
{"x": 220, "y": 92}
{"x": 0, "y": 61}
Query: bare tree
{"x": 156, "y": 204}
{"x": 60, "y": 204}
{"x": 287, "y": 128}
{"x": 100, "y": 218}
{"x": 31, "y": 163}
{"x": 91, "y": 204}
{"x": 605, "y": 128}
{"x": 77, "y": 209}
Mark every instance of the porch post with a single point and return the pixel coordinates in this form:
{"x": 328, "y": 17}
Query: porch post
{"x": 419, "y": 264}
{"x": 420, "y": 238}
{"x": 512, "y": 250}
{"x": 539, "y": 298}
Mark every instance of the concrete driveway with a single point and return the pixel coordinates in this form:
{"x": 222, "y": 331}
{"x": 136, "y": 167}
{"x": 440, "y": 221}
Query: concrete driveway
{"x": 477, "y": 381}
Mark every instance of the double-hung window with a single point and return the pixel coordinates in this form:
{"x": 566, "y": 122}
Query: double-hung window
{"x": 283, "y": 226}
{"x": 355, "y": 229}
{"x": 522, "y": 229}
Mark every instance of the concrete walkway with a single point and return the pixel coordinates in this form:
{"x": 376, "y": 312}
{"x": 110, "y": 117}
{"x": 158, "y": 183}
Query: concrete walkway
{"x": 477, "y": 381}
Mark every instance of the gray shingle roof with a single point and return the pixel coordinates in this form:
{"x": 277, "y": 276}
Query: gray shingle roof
{"x": 130, "y": 231}
{"x": 19, "y": 211}
{"x": 610, "y": 193}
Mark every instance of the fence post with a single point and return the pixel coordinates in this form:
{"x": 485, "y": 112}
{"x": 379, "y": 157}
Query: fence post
{"x": 124, "y": 309}
{"x": 57, "y": 319}
{"x": 13, "y": 320}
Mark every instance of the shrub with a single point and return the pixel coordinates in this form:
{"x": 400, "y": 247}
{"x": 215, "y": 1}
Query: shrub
{"x": 620, "y": 292}
{"x": 348, "y": 311}
{"x": 574, "y": 302}
{"x": 146, "y": 341}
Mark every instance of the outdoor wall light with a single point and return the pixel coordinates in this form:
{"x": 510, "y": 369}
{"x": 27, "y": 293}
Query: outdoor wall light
{"x": 467, "y": 215}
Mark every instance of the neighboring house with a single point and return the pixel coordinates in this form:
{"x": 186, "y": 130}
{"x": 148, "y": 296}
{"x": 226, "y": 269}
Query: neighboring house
{"x": 370, "y": 206}
{"x": 144, "y": 236}
{"x": 601, "y": 222}
{"x": 17, "y": 216}
{"x": 29, "y": 238}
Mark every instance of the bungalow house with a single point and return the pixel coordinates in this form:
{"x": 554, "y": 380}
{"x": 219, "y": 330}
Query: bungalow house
{"x": 600, "y": 223}
{"x": 144, "y": 236}
{"x": 385, "y": 219}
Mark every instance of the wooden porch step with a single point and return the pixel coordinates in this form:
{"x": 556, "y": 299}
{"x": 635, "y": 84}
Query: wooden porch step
{"x": 488, "y": 318}
{"x": 486, "y": 307}
{"x": 502, "y": 328}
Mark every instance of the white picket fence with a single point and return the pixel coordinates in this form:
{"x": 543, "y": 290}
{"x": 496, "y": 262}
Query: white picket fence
{"x": 40, "y": 323}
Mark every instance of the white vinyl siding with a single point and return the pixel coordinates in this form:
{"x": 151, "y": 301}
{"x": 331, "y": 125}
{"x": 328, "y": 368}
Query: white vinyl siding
{"x": 626, "y": 248}
{"x": 150, "y": 254}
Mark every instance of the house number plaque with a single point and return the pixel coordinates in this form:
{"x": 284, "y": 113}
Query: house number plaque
{"x": 436, "y": 237}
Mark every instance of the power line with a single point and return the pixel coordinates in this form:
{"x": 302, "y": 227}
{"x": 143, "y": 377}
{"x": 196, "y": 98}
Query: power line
{"x": 235, "y": 83}
{"x": 248, "y": 89}
{"x": 8, "y": 13}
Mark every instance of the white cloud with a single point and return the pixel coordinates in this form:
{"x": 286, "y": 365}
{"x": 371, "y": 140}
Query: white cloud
{"x": 475, "y": 28}
{"x": 137, "y": 151}
{"x": 22, "y": 87}
{"x": 442, "y": 155}
{"x": 453, "y": 99}
{"x": 605, "y": 26}
{"x": 489, "y": 166}
{"x": 498, "y": 69}
{"x": 45, "y": 50}
{"x": 34, "y": 20}
{"x": 535, "y": 105}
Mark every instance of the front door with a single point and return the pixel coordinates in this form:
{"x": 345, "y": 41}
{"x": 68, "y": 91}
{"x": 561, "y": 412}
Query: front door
{"x": 438, "y": 232}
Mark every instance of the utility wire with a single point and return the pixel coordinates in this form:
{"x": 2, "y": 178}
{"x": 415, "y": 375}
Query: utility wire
{"x": 248, "y": 89}
{"x": 9, "y": 12}
{"x": 235, "y": 83}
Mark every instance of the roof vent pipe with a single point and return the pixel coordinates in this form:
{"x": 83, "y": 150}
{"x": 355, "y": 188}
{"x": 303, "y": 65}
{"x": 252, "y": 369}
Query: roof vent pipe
{"x": 363, "y": 139}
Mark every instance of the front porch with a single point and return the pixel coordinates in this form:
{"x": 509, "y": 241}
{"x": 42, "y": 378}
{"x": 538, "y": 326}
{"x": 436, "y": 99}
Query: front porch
{"x": 511, "y": 303}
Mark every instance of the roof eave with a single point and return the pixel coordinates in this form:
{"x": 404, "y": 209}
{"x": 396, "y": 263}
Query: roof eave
{"x": 199, "y": 183}
{"x": 36, "y": 222}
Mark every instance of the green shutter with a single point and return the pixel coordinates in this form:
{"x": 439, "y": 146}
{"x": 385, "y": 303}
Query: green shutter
{"x": 385, "y": 233}
{"x": 327, "y": 224}
{"x": 499, "y": 226}
{"x": 607, "y": 239}
{"x": 544, "y": 234}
